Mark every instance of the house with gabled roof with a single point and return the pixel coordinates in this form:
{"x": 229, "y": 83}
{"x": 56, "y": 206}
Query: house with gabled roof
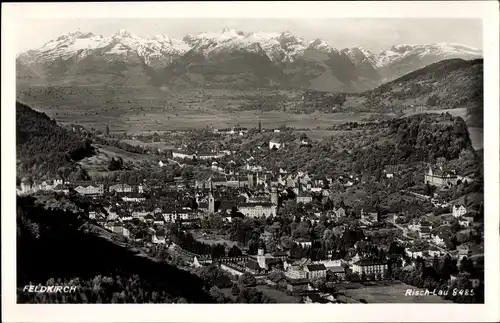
{"x": 315, "y": 271}
{"x": 304, "y": 197}
{"x": 370, "y": 266}
{"x": 440, "y": 177}
{"x": 120, "y": 188}
{"x": 458, "y": 210}
{"x": 159, "y": 237}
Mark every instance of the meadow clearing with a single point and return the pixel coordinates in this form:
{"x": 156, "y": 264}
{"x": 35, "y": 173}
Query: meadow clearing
{"x": 390, "y": 294}
{"x": 278, "y": 295}
{"x": 212, "y": 238}
{"x": 97, "y": 165}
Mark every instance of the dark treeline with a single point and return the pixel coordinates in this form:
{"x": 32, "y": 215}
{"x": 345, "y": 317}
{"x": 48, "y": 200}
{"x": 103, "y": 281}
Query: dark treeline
{"x": 436, "y": 277}
{"x": 187, "y": 242}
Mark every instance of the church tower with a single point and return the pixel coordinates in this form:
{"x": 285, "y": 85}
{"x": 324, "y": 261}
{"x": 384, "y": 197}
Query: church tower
{"x": 274, "y": 196}
{"x": 261, "y": 258}
{"x": 211, "y": 204}
{"x": 211, "y": 200}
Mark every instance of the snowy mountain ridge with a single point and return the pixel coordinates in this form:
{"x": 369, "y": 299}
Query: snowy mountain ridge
{"x": 283, "y": 50}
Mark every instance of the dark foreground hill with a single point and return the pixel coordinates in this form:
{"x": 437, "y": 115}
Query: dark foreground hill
{"x": 53, "y": 247}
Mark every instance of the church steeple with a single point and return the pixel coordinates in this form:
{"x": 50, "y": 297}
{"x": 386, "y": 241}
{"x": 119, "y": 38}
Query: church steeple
{"x": 211, "y": 199}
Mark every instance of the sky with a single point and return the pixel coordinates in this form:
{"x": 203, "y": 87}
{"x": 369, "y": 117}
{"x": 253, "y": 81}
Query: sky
{"x": 375, "y": 34}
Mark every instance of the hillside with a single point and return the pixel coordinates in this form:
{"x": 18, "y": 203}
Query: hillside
{"x": 54, "y": 233}
{"x": 454, "y": 83}
{"x": 43, "y": 148}
{"x": 366, "y": 149}
{"x": 450, "y": 83}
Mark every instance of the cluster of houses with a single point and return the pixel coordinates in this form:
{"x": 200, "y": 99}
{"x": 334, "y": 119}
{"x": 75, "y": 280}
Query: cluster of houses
{"x": 199, "y": 155}
{"x": 231, "y": 131}
{"x": 299, "y": 274}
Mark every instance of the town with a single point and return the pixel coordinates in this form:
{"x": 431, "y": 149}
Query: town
{"x": 231, "y": 205}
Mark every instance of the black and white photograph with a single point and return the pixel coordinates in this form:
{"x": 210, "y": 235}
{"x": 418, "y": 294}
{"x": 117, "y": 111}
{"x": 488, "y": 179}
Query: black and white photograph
{"x": 246, "y": 160}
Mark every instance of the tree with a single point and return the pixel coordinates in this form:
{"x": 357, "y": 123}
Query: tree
{"x": 187, "y": 172}
{"x": 436, "y": 264}
{"x": 319, "y": 283}
{"x": 302, "y": 231}
{"x": 247, "y": 280}
{"x": 466, "y": 265}
{"x": 287, "y": 242}
{"x": 115, "y": 164}
{"x": 276, "y": 276}
{"x": 216, "y": 222}
{"x": 217, "y": 295}
{"x": 271, "y": 246}
{"x": 432, "y": 100}
{"x": 235, "y": 290}
{"x": 234, "y": 251}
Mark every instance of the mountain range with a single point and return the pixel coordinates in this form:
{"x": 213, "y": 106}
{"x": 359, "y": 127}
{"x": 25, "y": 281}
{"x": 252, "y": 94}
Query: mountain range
{"x": 229, "y": 59}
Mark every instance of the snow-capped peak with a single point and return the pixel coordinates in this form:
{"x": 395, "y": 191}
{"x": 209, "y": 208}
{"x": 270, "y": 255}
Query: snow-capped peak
{"x": 443, "y": 50}
{"x": 360, "y": 55}
{"x": 162, "y": 38}
{"x": 123, "y": 33}
{"x": 277, "y": 46}
{"x": 320, "y": 44}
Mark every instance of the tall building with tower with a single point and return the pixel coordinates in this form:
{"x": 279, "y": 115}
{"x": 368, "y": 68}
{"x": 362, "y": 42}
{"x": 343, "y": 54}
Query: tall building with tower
{"x": 261, "y": 258}
{"x": 274, "y": 196}
{"x": 211, "y": 199}
{"x": 252, "y": 180}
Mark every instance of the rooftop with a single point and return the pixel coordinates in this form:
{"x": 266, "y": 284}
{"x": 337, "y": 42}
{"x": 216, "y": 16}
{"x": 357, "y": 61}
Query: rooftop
{"x": 369, "y": 262}
{"x": 316, "y": 267}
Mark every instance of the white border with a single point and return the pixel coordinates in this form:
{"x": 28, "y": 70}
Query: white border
{"x": 486, "y": 10}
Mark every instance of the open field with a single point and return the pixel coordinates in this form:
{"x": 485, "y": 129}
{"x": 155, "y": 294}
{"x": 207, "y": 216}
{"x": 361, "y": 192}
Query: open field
{"x": 157, "y": 145}
{"x": 98, "y": 163}
{"x": 212, "y": 238}
{"x": 138, "y": 109}
{"x": 391, "y": 294}
{"x": 148, "y": 109}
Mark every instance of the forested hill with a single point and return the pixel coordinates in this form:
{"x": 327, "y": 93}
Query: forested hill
{"x": 43, "y": 147}
{"x": 53, "y": 247}
{"x": 366, "y": 149}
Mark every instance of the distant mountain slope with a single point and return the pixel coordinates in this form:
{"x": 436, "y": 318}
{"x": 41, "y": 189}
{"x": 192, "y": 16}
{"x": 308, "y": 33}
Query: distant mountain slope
{"x": 43, "y": 147}
{"x": 229, "y": 58}
{"x": 402, "y": 59}
{"x": 453, "y": 83}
